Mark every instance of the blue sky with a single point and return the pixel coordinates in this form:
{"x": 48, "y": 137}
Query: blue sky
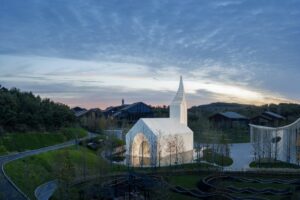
{"x": 93, "y": 53}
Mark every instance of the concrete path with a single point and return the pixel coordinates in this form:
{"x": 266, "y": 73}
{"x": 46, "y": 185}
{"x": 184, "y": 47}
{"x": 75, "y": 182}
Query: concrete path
{"x": 46, "y": 190}
{"x": 241, "y": 155}
{"x": 8, "y": 190}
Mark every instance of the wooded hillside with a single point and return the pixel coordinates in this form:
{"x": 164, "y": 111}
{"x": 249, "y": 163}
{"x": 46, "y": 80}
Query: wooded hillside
{"x": 22, "y": 112}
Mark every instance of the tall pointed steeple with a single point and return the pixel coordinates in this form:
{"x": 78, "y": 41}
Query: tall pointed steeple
{"x": 178, "y": 107}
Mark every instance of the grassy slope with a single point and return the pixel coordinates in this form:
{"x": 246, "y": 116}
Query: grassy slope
{"x": 186, "y": 181}
{"x": 34, "y": 140}
{"x": 30, "y": 172}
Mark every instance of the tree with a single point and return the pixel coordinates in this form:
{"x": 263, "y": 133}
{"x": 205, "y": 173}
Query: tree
{"x": 179, "y": 149}
{"x": 65, "y": 171}
{"x": 22, "y": 111}
{"x": 223, "y": 149}
{"x": 170, "y": 147}
{"x": 159, "y": 146}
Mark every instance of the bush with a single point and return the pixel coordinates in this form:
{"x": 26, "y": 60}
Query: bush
{"x": 272, "y": 164}
{"x": 118, "y": 158}
{"x": 213, "y": 157}
{"x": 2, "y": 131}
{"x": 116, "y": 142}
{"x": 3, "y": 150}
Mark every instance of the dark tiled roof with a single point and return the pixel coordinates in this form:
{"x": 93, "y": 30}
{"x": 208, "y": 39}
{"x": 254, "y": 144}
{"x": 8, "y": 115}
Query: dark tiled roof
{"x": 127, "y": 107}
{"x": 80, "y": 113}
{"x": 233, "y": 115}
{"x": 115, "y": 107}
{"x": 83, "y": 112}
{"x": 273, "y": 115}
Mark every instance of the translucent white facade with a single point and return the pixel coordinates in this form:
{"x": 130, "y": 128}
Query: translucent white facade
{"x": 162, "y": 141}
{"x": 282, "y": 143}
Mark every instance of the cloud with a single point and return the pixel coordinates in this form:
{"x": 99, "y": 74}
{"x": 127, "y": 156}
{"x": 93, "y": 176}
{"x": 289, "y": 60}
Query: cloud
{"x": 227, "y": 3}
{"x": 249, "y": 47}
{"x": 97, "y": 83}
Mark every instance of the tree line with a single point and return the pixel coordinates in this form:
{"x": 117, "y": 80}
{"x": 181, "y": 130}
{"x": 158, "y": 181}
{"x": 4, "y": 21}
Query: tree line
{"x": 23, "y": 111}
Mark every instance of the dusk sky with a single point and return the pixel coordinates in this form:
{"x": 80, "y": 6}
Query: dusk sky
{"x": 93, "y": 53}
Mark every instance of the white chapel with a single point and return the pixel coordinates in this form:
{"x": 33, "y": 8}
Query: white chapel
{"x": 162, "y": 141}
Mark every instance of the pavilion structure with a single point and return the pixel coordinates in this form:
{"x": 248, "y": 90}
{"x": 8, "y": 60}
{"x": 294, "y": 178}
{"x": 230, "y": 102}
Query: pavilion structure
{"x": 162, "y": 141}
{"x": 281, "y": 143}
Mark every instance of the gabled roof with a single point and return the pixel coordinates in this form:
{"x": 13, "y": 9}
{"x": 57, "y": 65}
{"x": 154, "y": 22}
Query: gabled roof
{"x": 115, "y": 107}
{"x": 132, "y": 105}
{"x": 77, "y": 109}
{"x": 128, "y": 107}
{"x": 80, "y": 113}
{"x": 232, "y": 115}
{"x": 273, "y": 115}
{"x": 262, "y": 116}
{"x": 165, "y": 126}
{"x": 83, "y": 112}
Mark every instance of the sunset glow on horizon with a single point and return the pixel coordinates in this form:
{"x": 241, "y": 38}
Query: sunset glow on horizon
{"x": 94, "y": 53}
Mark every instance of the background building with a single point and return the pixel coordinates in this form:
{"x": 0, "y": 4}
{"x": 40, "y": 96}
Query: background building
{"x": 92, "y": 119}
{"x": 129, "y": 112}
{"x": 268, "y": 118}
{"x": 281, "y": 143}
{"x": 225, "y": 120}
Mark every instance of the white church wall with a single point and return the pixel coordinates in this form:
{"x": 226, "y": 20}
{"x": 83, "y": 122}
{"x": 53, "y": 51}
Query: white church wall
{"x": 179, "y": 112}
{"x": 160, "y": 131}
{"x": 139, "y": 133}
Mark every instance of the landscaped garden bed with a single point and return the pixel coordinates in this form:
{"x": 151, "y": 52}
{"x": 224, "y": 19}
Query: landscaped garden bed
{"x": 273, "y": 164}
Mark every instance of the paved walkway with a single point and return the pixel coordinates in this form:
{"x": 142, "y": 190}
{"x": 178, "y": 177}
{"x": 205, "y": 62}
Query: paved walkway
{"x": 8, "y": 190}
{"x": 45, "y": 191}
{"x": 241, "y": 155}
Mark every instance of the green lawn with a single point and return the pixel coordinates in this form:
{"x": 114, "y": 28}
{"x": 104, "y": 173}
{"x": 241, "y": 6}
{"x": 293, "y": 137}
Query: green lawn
{"x": 187, "y": 181}
{"x": 33, "y": 140}
{"x": 273, "y": 164}
{"x": 254, "y": 185}
{"x": 174, "y": 168}
{"x": 30, "y": 172}
{"x": 210, "y": 156}
{"x": 177, "y": 196}
{"x": 232, "y": 136}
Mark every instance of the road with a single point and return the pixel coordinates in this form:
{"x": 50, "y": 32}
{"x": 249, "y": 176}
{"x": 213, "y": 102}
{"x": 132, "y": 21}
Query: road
{"x": 8, "y": 191}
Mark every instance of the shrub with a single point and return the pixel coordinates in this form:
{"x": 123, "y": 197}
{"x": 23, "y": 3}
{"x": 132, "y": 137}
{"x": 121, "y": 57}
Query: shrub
{"x": 3, "y": 150}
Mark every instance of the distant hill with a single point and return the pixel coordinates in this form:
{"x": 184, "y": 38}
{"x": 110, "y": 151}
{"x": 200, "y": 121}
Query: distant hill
{"x": 290, "y": 111}
{"x": 221, "y": 107}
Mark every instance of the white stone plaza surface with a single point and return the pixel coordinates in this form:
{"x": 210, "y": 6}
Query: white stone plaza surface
{"x": 162, "y": 141}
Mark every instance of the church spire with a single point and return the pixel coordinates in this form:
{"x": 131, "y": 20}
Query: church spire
{"x": 180, "y": 96}
{"x": 178, "y": 107}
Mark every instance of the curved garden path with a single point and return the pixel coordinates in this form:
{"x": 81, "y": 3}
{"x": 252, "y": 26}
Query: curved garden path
{"x": 8, "y": 190}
